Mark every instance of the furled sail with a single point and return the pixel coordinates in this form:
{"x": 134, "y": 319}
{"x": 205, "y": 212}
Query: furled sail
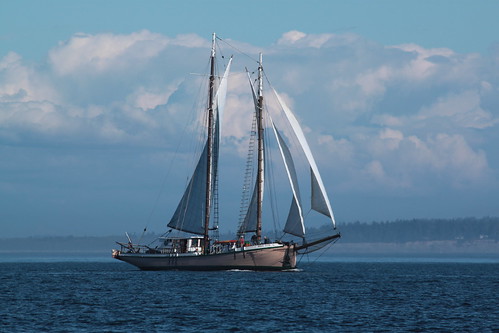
{"x": 189, "y": 215}
{"x": 320, "y": 201}
{"x": 294, "y": 223}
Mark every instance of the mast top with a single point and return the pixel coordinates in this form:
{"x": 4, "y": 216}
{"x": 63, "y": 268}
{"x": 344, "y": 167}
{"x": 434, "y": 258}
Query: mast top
{"x": 213, "y": 39}
{"x": 260, "y": 80}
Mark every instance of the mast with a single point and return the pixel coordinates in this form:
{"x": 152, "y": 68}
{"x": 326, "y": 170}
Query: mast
{"x": 210, "y": 146}
{"x": 260, "y": 174}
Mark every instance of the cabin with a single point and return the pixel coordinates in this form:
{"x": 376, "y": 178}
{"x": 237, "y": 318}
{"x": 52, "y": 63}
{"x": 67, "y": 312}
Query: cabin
{"x": 181, "y": 245}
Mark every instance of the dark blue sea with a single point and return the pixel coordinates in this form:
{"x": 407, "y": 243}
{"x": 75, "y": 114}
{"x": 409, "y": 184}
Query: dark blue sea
{"x": 94, "y": 294}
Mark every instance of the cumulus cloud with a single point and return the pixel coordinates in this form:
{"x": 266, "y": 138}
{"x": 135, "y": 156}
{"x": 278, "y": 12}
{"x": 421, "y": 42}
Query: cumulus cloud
{"x": 20, "y": 82}
{"x": 396, "y": 117}
{"x": 98, "y": 53}
{"x": 103, "y": 86}
{"x": 462, "y": 109}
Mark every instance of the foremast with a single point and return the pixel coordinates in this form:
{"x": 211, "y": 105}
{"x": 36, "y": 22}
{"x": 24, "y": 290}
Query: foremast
{"x": 209, "y": 178}
{"x": 261, "y": 151}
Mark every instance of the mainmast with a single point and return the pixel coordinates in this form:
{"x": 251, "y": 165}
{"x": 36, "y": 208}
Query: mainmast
{"x": 260, "y": 174}
{"x": 209, "y": 179}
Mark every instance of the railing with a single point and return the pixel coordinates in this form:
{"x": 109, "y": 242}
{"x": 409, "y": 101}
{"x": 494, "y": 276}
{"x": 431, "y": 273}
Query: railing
{"x": 216, "y": 248}
{"x": 143, "y": 249}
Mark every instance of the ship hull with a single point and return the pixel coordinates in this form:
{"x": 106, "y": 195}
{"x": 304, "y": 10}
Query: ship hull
{"x": 268, "y": 258}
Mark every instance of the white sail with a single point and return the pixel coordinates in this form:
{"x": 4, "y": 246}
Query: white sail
{"x": 294, "y": 223}
{"x": 320, "y": 201}
{"x": 221, "y": 95}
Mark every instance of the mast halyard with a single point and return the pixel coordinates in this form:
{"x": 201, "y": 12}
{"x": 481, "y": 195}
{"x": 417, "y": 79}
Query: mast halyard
{"x": 260, "y": 174}
{"x": 209, "y": 178}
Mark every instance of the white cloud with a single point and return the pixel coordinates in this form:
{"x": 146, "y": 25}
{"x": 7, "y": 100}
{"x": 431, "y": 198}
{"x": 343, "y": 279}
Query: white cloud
{"x": 147, "y": 99}
{"x": 463, "y": 109}
{"x": 453, "y": 154}
{"x": 23, "y": 83}
{"x": 423, "y": 63}
{"x": 372, "y": 83}
{"x": 94, "y": 54}
{"x": 98, "y": 53}
{"x": 401, "y": 161}
{"x": 300, "y": 39}
{"x": 291, "y": 37}
{"x": 381, "y": 117}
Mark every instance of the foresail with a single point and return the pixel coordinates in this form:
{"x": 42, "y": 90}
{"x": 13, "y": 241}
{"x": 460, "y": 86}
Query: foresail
{"x": 294, "y": 223}
{"x": 320, "y": 200}
{"x": 189, "y": 215}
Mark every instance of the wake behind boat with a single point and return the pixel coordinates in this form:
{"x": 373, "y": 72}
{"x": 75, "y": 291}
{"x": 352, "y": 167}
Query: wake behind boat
{"x": 196, "y": 215}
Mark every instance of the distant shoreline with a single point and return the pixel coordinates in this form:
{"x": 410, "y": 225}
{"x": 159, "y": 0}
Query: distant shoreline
{"x": 420, "y": 247}
{"x": 104, "y": 245}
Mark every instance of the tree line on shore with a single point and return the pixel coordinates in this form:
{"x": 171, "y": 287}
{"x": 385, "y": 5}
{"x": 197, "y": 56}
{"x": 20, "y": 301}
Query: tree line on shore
{"x": 402, "y": 231}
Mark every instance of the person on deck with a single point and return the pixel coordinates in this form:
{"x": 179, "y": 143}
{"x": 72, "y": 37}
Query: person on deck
{"x": 254, "y": 240}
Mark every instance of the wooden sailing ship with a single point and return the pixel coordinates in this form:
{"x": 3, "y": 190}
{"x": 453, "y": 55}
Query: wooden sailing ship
{"x": 196, "y": 250}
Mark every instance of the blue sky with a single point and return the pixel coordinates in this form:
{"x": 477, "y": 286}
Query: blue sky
{"x": 398, "y": 97}
{"x": 33, "y": 27}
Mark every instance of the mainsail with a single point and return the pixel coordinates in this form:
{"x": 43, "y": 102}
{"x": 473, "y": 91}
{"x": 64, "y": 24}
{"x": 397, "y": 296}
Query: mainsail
{"x": 189, "y": 215}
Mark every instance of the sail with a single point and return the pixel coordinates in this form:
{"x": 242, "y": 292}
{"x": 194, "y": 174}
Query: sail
{"x": 189, "y": 215}
{"x": 250, "y": 220}
{"x": 221, "y": 95}
{"x": 294, "y": 223}
{"x": 320, "y": 201}
{"x": 219, "y": 111}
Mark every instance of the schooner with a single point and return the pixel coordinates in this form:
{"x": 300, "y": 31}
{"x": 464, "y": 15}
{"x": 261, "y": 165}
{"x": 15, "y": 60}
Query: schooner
{"x": 193, "y": 215}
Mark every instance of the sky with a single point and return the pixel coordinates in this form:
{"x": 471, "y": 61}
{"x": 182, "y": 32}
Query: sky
{"x": 399, "y": 101}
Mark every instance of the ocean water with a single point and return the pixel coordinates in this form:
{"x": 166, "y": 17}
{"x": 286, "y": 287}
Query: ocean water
{"x": 93, "y": 294}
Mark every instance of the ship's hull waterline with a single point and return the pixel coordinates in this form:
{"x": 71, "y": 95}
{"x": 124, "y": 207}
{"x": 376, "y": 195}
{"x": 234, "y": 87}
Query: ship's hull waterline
{"x": 255, "y": 258}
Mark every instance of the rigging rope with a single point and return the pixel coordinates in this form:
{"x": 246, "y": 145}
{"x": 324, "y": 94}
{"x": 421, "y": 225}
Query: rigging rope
{"x": 326, "y": 247}
{"x": 238, "y": 50}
